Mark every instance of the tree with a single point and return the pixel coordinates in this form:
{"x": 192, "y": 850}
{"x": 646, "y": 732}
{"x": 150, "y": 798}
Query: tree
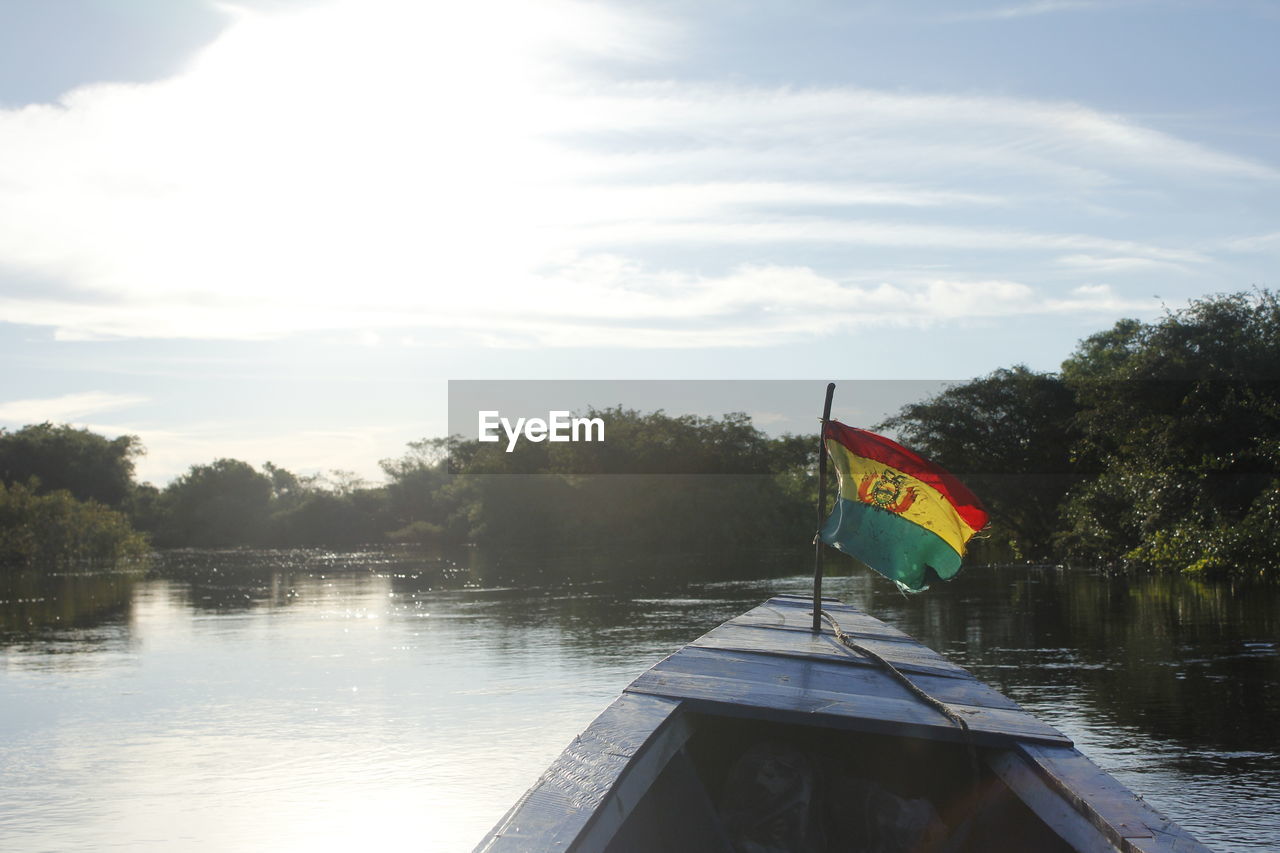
{"x": 1008, "y": 435}
{"x": 420, "y": 495}
{"x": 1181, "y": 420}
{"x": 88, "y": 465}
{"x": 287, "y": 488}
{"x": 657, "y": 482}
{"x": 224, "y": 503}
{"x": 330, "y": 519}
{"x": 53, "y": 530}
{"x": 338, "y": 510}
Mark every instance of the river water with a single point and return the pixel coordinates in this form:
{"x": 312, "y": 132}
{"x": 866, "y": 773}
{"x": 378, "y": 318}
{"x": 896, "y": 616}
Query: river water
{"x": 315, "y": 701}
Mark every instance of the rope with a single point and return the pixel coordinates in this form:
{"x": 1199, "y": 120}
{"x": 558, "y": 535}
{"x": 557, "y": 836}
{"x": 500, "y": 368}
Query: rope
{"x": 940, "y": 706}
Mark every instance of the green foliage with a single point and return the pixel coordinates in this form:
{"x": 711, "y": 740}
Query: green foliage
{"x": 1157, "y": 447}
{"x": 418, "y": 533}
{"x": 421, "y": 501}
{"x": 658, "y": 443}
{"x": 659, "y": 482}
{"x": 287, "y": 489}
{"x": 229, "y": 503}
{"x": 89, "y": 466}
{"x": 144, "y": 508}
{"x": 54, "y": 530}
{"x": 223, "y": 503}
{"x": 1008, "y": 435}
{"x": 1180, "y": 427}
{"x": 329, "y": 518}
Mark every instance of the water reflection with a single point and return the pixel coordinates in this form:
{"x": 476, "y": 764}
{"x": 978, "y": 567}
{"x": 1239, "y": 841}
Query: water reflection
{"x": 303, "y": 699}
{"x": 55, "y": 618}
{"x": 1180, "y": 659}
{"x": 31, "y": 602}
{"x": 1171, "y": 684}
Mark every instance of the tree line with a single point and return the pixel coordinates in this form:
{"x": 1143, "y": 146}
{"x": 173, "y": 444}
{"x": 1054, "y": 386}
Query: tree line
{"x": 646, "y": 489}
{"x": 1156, "y": 446}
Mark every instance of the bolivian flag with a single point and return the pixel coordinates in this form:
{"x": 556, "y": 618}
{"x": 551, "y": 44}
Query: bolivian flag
{"x": 900, "y": 514}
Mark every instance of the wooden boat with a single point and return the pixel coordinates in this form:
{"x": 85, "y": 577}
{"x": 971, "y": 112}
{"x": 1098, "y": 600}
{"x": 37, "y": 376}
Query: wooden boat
{"x": 765, "y": 736}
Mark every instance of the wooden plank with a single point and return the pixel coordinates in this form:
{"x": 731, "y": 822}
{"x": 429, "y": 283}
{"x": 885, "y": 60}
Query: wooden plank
{"x": 786, "y": 599}
{"x": 1105, "y": 801}
{"x": 907, "y": 656}
{"x": 675, "y": 816}
{"x": 570, "y": 794}
{"x": 837, "y": 674}
{"x": 1058, "y": 813}
{"x": 801, "y": 700}
{"x": 634, "y": 783}
{"x": 781, "y": 612}
{"x": 1166, "y": 842}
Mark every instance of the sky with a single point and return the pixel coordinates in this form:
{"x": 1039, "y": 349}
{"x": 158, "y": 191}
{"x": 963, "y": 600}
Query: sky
{"x": 275, "y": 229}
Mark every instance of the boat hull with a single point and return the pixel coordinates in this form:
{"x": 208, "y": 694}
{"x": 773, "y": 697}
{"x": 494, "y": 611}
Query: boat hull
{"x": 765, "y": 736}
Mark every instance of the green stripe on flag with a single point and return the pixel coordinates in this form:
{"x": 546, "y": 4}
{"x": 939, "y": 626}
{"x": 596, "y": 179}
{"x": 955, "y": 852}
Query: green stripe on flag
{"x": 908, "y": 554}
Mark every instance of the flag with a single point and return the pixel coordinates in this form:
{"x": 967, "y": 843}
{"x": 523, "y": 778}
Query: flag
{"x": 902, "y": 515}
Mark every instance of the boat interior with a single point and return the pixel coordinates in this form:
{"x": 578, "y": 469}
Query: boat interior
{"x": 756, "y": 786}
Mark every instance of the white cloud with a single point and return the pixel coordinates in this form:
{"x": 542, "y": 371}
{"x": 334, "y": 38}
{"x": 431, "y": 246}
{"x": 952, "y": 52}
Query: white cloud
{"x": 1025, "y": 10}
{"x": 1253, "y": 242}
{"x": 65, "y": 408}
{"x": 397, "y": 166}
{"x": 879, "y": 233}
{"x": 1122, "y": 263}
{"x": 864, "y": 131}
{"x": 599, "y": 298}
{"x": 1101, "y": 299}
{"x": 762, "y": 305}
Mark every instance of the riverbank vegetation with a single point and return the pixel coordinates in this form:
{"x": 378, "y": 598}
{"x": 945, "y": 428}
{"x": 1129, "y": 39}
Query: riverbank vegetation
{"x": 1156, "y": 446}
{"x": 55, "y": 530}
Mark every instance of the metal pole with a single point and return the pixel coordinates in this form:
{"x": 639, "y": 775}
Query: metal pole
{"x": 822, "y": 509}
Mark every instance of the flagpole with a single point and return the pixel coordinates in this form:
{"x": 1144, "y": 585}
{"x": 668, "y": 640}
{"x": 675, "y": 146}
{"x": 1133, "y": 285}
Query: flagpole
{"x": 822, "y": 508}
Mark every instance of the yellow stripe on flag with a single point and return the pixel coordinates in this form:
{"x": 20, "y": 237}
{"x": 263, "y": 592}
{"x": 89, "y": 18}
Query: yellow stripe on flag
{"x": 870, "y": 482}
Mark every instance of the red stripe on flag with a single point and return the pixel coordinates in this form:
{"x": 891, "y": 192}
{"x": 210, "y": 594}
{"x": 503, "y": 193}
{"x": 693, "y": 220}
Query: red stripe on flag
{"x": 868, "y": 445}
